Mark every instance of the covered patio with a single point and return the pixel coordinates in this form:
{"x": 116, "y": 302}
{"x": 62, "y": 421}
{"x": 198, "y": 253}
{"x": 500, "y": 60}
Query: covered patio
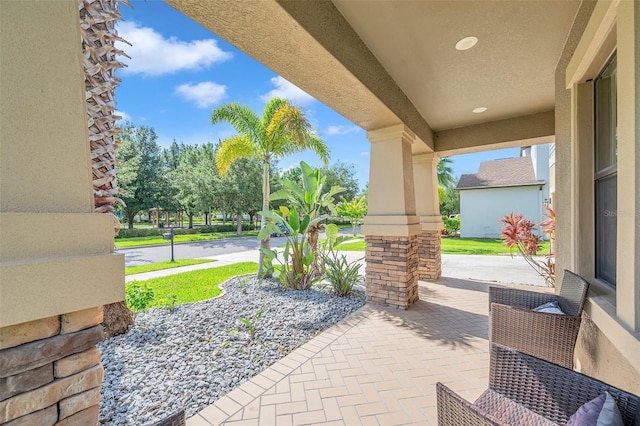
{"x": 560, "y": 71}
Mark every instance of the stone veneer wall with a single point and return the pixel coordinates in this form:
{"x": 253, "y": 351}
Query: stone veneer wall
{"x": 430, "y": 260}
{"x": 50, "y": 371}
{"x": 392, "y": 270}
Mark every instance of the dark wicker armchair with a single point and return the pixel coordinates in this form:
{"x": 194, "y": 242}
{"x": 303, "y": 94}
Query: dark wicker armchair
{"x": 524, "y": 390}
{"x": 513, "y": 323}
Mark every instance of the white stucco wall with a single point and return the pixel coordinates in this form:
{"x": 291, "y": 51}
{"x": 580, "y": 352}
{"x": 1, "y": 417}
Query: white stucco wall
{"x": 481, "y": 209}
{"x": 540, "y": 157}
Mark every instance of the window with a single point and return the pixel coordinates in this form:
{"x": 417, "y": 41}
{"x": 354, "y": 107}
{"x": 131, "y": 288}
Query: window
{"x": 606, "y": 172}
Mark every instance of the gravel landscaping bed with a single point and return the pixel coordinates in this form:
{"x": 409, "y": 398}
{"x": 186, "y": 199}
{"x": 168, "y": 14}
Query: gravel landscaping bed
{"x": 201, "y": 351}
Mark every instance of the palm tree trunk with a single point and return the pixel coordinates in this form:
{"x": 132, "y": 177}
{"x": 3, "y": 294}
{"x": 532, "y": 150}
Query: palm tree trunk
{"x": 98, "y": 34}
{"x": 266, "y": 243}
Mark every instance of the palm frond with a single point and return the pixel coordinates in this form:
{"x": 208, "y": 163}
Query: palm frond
{"x": 445, "y": 172}
{"x": 242, "y": 118}
{"x": 321, "y": 149}
{"x": 271, "y": 107}
{"x": 232, "y": 149}
{"x": 290, "y": 132}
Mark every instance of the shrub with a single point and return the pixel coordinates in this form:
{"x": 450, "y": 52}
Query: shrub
{"x": 207, "y": 229}
{"x": 452, "y": 226}
{"x": 518, "y": 234}
{"x": 139, "y": 296}
{"x": 342, "y": 274}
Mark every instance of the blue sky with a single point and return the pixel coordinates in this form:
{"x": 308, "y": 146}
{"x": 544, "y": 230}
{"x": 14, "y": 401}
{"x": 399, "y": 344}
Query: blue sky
{"x": 180, "y": 72}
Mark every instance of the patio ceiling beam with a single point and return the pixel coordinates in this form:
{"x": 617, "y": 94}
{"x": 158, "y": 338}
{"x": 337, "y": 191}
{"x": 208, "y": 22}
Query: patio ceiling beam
{"x": 314, "y": 47}
{"x": 525, "y": 130}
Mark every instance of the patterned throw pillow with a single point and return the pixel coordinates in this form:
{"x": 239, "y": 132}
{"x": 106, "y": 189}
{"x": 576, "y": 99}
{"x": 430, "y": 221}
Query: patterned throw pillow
{"x": 600, "y": 411}
{"x": 550, "y": 308}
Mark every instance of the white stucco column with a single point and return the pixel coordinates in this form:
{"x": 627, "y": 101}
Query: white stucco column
{"x": 391, "y": 225}
{"x": 425, "y": 177}
{"x": 628, "y": 243}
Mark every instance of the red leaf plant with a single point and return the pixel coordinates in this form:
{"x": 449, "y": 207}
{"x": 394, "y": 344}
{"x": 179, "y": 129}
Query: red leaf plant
{"x": 518, "y": 233}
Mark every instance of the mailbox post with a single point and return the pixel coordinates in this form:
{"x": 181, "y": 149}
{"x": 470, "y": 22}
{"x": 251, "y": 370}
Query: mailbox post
{"x": 169, "y": 236}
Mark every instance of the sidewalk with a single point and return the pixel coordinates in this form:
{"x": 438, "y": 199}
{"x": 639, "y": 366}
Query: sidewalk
{"x": 491, "y": 269}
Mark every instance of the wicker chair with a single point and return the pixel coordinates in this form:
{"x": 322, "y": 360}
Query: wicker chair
{"x": 551, "y": 337}
{"x": 524, "y": 390}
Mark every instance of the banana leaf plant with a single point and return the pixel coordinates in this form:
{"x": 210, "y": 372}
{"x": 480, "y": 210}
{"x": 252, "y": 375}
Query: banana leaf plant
{"x": 295, "y": 266}
{"x": 311, "y": 197}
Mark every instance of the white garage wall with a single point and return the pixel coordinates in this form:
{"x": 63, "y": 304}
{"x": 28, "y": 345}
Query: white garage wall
{"x": 481, "y": 209}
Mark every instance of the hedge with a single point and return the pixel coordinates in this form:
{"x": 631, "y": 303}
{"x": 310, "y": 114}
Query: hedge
{"x": 207, "y": 229}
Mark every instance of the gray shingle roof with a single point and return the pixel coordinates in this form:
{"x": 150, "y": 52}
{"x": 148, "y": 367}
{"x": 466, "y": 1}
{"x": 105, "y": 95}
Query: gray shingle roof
{"x": 505, "y": 172}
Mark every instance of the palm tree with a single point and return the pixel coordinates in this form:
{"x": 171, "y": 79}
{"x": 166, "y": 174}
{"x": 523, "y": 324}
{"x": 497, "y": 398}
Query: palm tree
{"x": 445, "y": 172}
{"x": 98, "y": 34}
{"x": 282, "y": 130}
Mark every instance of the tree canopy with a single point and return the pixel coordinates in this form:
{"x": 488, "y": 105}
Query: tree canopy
{"x": 140, "y": 175}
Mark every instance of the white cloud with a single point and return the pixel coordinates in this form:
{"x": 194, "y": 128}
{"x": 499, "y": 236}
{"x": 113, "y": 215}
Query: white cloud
{"x": 204, "y": 94}
{"x": 123, "y": 116}
{"x": 285, "y": 89}
{"x": 152, "y": 54}
{"x": 364, "y": 153}
{"x": 340, "y": 130}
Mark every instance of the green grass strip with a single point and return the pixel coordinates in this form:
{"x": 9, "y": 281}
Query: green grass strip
{"x": 195, "y": 286}
{"x": 154, "y": 240}
{"x": 130, "y": 270}
{"x": 484, "y": 246}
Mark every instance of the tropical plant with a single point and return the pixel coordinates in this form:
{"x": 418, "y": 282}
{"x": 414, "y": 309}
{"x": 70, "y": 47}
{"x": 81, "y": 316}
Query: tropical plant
{"x": 518, "y": 233}
{"x": 139, "y": 295}
{"x": 282, "y": 130}
{"x": 355, "y": 210}
{"x": 98, "y": 34}
{"x": 341, "y": 273}
{"x": 250, "y": 322}
{"x": 312, "y": 199}
{"x": 445, "y": 172}
{"x": 295, "y": 270}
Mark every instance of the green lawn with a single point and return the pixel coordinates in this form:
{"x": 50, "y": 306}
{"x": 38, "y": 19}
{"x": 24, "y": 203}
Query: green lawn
{"x": 486, "y": 246}
{"x": 153, "y": 240}
{"x": 130, "y": 270}
{"x": 195, "y": 286}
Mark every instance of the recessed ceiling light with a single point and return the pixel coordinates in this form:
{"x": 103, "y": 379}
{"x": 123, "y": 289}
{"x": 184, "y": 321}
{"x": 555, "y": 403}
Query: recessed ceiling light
{"x": 479, "y": 110}
{"x": 466, "y": 43}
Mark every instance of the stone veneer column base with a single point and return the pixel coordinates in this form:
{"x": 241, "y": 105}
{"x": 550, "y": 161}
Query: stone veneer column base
{"x": 430, "y": 259}
{"x": 392, "y": 270}
{"x": 50, "y": 371}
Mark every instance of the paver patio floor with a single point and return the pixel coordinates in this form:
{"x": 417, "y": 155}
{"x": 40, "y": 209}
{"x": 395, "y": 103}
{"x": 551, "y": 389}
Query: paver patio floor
{"x": 379, "y": 366}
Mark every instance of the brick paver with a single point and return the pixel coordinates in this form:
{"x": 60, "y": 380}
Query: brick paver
{"x": 378, "y": 366}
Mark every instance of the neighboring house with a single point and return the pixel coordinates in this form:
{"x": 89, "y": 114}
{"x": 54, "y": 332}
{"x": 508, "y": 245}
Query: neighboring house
{"x": 503, "y": 186}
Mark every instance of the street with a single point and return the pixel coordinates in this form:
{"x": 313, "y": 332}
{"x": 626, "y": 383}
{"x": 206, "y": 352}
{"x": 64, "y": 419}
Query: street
{"x": 152, "y": 254}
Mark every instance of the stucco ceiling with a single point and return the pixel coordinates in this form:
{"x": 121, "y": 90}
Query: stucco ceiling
{"x": 510, "y": 71}
{"x": 381, "y": 63}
